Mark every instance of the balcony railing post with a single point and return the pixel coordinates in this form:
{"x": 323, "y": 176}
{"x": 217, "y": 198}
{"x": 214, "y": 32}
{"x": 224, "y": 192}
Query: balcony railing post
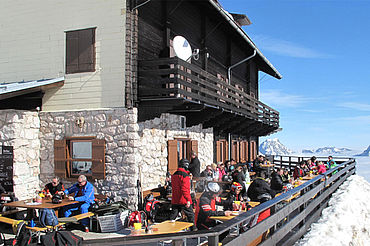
{"x": 213, "y": 240}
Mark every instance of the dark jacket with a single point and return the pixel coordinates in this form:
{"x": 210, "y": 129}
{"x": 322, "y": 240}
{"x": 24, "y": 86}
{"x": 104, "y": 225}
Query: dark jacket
{"x": 298, "y": 172}
{"x": 259, "y": 187}
{"x": 230, "y": 198}
{"x": 194, "y": 167}
{"x": 257, "y": 165}
{"x": 276, "y": 182}
{"x": 49, "y": 188}
{"x": 239, "y": 177}
{"x": 207, "y": 208}
{"x": 180, "y": 181}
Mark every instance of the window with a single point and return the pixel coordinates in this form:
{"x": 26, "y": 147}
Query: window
{"x": 80, "y": 51}
{"x": 179, "y": 149}
{"x": 79, "y": 155}
{"x": 222, "y": 150}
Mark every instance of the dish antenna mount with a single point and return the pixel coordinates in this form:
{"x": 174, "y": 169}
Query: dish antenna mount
{"x": 183, "y": 49}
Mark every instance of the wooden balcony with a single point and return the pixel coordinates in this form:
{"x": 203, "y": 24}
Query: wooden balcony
{"x": 171, "y": 85}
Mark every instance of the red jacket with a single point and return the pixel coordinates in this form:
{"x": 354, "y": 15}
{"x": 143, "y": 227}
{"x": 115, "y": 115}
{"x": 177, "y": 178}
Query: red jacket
{"x": 180, "y": 181}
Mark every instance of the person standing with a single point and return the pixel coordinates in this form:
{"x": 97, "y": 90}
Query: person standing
{"x": 181, "y": 198}
{"x": 194, "y": 166}
{"x": 84, "y": 194}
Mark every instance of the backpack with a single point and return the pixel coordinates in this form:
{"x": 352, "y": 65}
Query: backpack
{"x": 151, "y": 206}
{"x": 109, "y": 209}
{"x": 48, "y": 217}
{"x": 61, "y": 238}
{"x": 137, "y": 217}
{"x": 23, "y": 236}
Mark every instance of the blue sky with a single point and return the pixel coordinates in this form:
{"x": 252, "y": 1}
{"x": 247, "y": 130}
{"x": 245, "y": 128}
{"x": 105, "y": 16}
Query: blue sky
{"x": 322, "y": 49}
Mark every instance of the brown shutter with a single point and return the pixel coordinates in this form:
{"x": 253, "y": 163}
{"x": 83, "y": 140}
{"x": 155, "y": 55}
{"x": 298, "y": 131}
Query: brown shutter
{"x": 86, "y": 49}
{"x": 172, "y": 156}
{"x": 246, "y": 151}
{"x": 218, "y": 151}
{"x": 71, "y": 52}
{"x": 98, "y": 156}
{"x": 194, "y": 146}
{"x": 227, "y": 150}
{"x": 242, "y": 151}
{"x": 60, "y": 158}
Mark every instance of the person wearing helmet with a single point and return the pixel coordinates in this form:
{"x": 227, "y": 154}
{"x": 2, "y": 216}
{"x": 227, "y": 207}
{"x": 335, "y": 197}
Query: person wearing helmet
{"x": 181, "y": 198}
{"x": 234, "y": 195}
{"x": 207, "y": 207}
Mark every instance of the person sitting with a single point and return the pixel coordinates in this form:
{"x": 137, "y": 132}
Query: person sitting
{"x": 311, "y": 165}
{"x": 260, "y": 191}
{"x": 207, "y": 208}
{"x": 286, "y": 176}
{"x": 321, "y": 168}
{"x": 215, "y": 172}
{"x": 233, "y": 196}
{"x": 167, "y": 187}
{"x": 207, "y": 172}
{"x": 239, "y": 177}
{"x": 54, "y": 187}
{"x": 221, "y": 171}
{"x": 277, "y": 182}
{"x": 314, "y": 160}
{"x": 299, "y": 170}
{"x": 257, "y": 166}
{"x": 331, "y": 163}
{"x": 84, "y": 194}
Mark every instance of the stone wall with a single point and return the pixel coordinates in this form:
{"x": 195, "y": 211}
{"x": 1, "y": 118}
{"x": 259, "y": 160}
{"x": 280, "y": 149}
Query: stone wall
{"x": 118, "y": 127}
{"x": 20, "y": 129}
{"x": 154, "y": 135}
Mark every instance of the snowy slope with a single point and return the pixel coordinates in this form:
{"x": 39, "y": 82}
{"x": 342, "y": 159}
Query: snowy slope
{"x": 365, "y": 153}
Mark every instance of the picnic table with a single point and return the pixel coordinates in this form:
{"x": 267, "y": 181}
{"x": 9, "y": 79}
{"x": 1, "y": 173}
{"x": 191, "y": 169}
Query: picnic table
{"x": 46, "y": 203}
{"x": 167, "y": 226}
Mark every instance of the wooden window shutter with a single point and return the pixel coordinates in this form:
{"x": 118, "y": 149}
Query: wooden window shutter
{"x": 98, "y": 156}
{"x": 71, "y": 52}
{"x": 227, "y": 150}
{"x": 218, "y": 151}
{"x": 60, "y": 158}
{"x": 242, "y": 151}
{"x": 86, "y": 50}
{"x": 194, "y": 146}
{"x": 172, "y": 156}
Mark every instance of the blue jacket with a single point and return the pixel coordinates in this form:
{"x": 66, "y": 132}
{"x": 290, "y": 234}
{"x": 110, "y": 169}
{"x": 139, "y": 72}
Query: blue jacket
{"x": 87, "y": 193}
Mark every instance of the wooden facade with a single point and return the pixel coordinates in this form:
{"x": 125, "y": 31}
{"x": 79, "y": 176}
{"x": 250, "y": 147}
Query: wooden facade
{"x": 202, "y": 89}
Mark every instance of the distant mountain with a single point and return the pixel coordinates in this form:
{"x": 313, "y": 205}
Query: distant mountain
{"x": 327, "y": 151}
{"x": 365, "y": 153}
{"x": 273, "y": 147}
{"x": 332, "y": 150}
{"x": 308, "y": 151}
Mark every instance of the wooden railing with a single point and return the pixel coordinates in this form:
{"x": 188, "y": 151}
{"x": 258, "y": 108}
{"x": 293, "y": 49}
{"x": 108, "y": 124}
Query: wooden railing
{"x": 175, "y": 78}
{"x": 286, "y": 224}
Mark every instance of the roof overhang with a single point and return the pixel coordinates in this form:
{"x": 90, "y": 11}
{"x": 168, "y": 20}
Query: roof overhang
{"x": 14, "y": 89}
{"x": 271, "y": 70}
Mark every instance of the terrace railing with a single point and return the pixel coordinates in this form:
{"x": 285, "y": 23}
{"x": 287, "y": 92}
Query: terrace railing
{"x": 286, "y": 224}
{"x": 174, "y": 78}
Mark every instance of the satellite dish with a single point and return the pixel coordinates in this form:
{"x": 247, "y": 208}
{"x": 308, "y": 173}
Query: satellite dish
{"x": 182, "y": 48}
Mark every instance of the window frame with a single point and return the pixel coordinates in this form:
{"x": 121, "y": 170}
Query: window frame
{"x": 63, "y": 157}
{"x": 74, "y": 41}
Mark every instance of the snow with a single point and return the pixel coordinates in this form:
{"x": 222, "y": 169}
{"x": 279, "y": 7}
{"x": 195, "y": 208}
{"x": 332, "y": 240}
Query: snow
{"x": 346, "y": 221}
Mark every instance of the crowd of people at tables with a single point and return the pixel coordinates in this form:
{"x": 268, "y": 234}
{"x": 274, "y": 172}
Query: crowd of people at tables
{"x": 240, "y": 190}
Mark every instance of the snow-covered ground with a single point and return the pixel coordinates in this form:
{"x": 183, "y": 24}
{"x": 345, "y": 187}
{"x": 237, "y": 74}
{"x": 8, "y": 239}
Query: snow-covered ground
{"x": 346, "y": 221}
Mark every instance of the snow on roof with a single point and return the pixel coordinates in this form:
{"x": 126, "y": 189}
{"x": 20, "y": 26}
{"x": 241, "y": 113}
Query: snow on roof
{"x": 7, "y": 88}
